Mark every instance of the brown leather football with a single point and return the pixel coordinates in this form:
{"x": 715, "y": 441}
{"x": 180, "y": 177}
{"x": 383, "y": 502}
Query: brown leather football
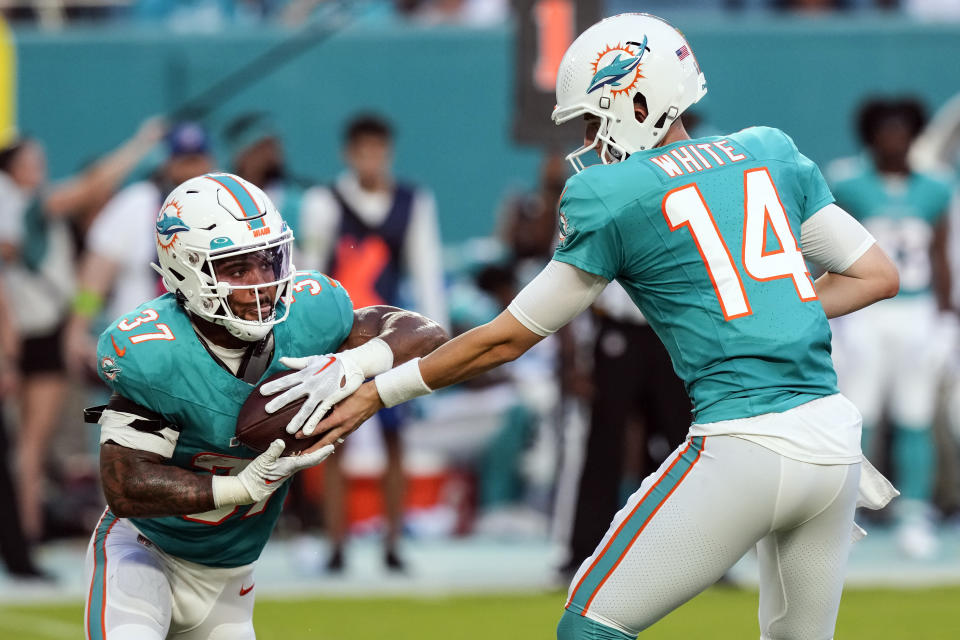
{"x": 257, "y": 429}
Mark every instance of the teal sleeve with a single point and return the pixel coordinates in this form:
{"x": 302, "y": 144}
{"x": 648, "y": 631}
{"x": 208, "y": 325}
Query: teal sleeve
{"x": 589, "y": 238}
{"x": 344, "y": 308}
{"x": 815, "y": 193}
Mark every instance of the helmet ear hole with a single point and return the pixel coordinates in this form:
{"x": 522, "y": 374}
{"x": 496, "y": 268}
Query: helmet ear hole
{"x": 640, "y": 109}
{"x": 661, "y": 121}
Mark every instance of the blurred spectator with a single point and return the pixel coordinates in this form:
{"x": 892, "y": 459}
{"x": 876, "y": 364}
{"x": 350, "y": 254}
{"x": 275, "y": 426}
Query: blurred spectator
{"x": 121, "y": 241}
{"x": 368, "y": 231}
{"x": 206, "y": 15}
{"x": 462, "y": 12}
{"x": 36, "y": 245}
{"x": 890, "y": 357}
{"x": 811, "y": 6}
{"x": 933, "y": 9}
{"x": 528, "y": 221}
{"x": 13, "y": 545}
{"x": 257, "y": 155}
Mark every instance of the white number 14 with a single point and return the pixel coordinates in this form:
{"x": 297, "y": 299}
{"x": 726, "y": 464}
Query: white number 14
{"x": 685, "y": 207}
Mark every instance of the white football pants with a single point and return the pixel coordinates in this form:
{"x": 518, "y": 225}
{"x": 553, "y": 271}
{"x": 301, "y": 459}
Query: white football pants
{"x": 138, "y": 592}
{"x": 710, "y": 502}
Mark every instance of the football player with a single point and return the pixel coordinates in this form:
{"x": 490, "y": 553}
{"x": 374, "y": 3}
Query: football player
{"x": 892, "y": 355}
{"x": 709, "y": 237}
{"x": 190, "y": 508}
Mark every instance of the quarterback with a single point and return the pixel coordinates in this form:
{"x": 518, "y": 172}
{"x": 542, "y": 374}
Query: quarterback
{"x": 709, "y": 237}
{"x": 190, "y": 508}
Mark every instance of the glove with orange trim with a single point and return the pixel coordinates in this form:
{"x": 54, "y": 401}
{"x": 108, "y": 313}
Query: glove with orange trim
{"x": 325, "y": 380}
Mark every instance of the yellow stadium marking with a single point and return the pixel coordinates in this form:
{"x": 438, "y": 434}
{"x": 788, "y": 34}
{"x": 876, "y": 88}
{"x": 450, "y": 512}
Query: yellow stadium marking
{"x": 8, "y": 85}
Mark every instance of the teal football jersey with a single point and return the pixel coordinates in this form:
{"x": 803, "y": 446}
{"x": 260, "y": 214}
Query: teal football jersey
{"x": 704, "y": 234}
{"x": 153, "y": 357}
{"x": 900, "y": 214}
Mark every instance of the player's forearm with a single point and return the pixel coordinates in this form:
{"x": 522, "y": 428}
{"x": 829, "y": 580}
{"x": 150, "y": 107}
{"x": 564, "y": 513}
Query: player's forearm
{"x": 138, "y": 484}
{"x": 840, "y": 294}
{"x": 871, "y": 278}
{"x": 477, "y": 351}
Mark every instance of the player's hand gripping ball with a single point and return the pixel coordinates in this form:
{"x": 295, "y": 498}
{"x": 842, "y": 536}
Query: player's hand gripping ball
{"x": 257, "y": 429}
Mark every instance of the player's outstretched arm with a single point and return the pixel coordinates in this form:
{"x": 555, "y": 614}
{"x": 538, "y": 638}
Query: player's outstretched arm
{"x": 558, "y": 294}
{"x": 381, "y": 336}
{"x": 488, "y": 346}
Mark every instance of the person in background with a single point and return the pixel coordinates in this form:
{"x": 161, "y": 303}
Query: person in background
{"x": 257, "y": 155}
{"x": 120, "y": 242}
{"x": 369, "y": 230}
{"x": 13, "y": 545}
{"x": 37, "y": 247}
{"x": 891, "y": 356}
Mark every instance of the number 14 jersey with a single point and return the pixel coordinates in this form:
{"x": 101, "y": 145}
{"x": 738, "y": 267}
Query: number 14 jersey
{"x": 704, "y": 236}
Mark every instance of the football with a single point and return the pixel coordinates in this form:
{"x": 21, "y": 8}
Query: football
{"x": 257, "y": 429}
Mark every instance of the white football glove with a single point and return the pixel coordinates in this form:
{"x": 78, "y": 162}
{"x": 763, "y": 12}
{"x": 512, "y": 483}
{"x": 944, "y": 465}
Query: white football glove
{"x": 325, "y": 380}
{"x": 264, "y": 475}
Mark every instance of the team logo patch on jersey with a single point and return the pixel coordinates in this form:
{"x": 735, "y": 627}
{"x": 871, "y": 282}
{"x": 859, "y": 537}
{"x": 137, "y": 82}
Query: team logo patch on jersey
{"x": 169, "y": 225}
{"x": 109, "y": 367}
{"x": 565, "y": 227}
{"x": 619, "y": 67}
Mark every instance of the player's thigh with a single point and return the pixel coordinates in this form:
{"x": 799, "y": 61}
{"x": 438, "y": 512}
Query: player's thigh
{"x": 802, "y": 565}
{"x": 689, "y": 522}
{"x": 212, "y": 604}
{"x": 128, "y": 595}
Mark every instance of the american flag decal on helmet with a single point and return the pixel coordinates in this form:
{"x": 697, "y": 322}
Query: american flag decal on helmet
{"x": 683, "y": 52}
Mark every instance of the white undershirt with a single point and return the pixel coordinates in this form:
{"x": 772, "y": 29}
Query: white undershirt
{"x": 230, "y": 357}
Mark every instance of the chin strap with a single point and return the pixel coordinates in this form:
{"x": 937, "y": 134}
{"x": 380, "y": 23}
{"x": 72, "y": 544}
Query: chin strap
{"x": 256, "y": 360}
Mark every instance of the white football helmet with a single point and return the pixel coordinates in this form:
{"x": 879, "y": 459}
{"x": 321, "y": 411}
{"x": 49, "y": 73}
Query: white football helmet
{"x": 609, "y": 65}
{"x": 217, "y": 234}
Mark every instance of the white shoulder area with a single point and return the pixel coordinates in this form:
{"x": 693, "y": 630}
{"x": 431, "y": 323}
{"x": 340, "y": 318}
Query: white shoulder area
{"x": 555, "y": 297}
{"x": 833, "y": 239}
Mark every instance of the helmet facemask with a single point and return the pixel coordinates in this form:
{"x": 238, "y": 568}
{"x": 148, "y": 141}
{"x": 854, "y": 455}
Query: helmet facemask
{"x": 223, "y": 273}
{"x": 605, "y": 146}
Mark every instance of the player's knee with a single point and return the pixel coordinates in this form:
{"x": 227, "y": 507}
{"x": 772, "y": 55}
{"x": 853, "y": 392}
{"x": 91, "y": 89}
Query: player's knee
{"x": 576, "y": 627}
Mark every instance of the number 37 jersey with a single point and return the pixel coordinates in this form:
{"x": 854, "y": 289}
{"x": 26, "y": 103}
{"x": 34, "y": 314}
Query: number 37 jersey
{"x": 704, "y": 236}
{"x": 153, "y": 357}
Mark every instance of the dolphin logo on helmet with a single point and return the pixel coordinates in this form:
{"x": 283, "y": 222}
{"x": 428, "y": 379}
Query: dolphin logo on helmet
{"x": 169, "y": 226}
{"x": 617, "y": 69}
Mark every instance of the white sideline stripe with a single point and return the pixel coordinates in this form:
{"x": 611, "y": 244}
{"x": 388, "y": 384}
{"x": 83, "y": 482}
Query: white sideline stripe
{"x": 38, "y": 625}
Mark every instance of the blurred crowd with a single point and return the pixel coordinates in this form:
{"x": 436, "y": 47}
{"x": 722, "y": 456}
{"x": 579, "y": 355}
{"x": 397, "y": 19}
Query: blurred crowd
{"x": 589, "y": 412}
{"x": 547, "y": 446}
{"x": 209, "y": 15}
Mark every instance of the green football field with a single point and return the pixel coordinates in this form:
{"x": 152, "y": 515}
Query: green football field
{"x": 718, "y": 614}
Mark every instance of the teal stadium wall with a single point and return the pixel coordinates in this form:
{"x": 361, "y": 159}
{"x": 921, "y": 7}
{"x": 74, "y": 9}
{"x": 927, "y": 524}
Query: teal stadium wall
{"x": 450, "y": 92}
